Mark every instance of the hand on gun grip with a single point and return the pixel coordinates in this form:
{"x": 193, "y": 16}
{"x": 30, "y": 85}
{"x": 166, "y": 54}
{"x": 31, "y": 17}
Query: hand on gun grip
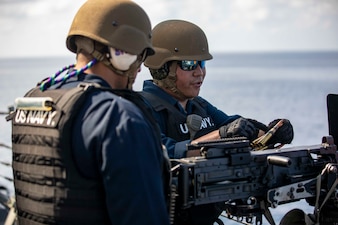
{"x": 283, "y": 135}
{"x": 240, "y": 127}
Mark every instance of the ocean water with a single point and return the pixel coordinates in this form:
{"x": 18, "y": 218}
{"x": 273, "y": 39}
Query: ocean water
{"x": 262, "y": 86}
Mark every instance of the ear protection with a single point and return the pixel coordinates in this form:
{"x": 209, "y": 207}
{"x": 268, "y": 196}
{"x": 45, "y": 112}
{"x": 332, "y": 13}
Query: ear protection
{"x": 121, "y": 60}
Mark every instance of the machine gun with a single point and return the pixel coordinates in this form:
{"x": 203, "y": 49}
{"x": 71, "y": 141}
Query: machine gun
{"x": 249, "y": 182}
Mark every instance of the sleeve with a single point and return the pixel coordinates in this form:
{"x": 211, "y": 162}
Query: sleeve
{"x": 127, "y": 158}
{"x": 175, "y": 149}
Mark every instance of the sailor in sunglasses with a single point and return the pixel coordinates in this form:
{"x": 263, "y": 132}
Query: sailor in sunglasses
{"x": 178, "y": 69}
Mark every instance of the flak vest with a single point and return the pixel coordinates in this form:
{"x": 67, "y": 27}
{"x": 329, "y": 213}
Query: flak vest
{"x": 49, "y": 188}
{"x": 176, "y": 127}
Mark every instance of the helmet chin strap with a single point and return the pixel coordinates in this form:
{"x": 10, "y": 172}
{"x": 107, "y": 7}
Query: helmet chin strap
{"x": 92, "y": 47}
{"x": 132, "y": 72}
{"x": 169, "y": 82}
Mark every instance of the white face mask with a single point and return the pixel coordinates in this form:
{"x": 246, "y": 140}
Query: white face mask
{"x": 121, "y": 60}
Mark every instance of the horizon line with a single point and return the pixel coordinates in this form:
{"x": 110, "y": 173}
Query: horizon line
{"x": 215, "y": 52}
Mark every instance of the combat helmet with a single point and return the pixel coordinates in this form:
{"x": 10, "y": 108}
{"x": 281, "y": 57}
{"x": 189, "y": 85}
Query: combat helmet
{"x": 175, "y": 40}
{"x": 121, "y": 25}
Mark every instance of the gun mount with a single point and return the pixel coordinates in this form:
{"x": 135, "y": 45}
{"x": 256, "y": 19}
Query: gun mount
{"x": 248, "y": 182}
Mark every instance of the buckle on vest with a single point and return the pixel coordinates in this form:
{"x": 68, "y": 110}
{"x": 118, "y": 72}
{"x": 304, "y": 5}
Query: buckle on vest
{"x": 87, "y": 86}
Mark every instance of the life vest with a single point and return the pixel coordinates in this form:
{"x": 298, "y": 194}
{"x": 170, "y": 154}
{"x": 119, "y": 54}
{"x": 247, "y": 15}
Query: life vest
{"x": 49, "y": 188}
{"x": 176, "y": 127}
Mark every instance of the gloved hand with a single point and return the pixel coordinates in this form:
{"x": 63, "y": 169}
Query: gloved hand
{"x": 283, "y": 135}
{"x": 240, "y": 127}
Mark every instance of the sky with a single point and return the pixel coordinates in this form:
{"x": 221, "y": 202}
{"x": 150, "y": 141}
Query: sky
{"x": 34, "y": 28}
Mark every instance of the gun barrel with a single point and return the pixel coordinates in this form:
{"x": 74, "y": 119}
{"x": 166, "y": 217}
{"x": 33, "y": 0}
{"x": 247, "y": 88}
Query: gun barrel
{"x": 279, "y": 160}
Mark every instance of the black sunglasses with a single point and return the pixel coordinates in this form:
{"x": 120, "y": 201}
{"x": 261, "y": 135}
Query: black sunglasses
{"x": 189, "y": 65}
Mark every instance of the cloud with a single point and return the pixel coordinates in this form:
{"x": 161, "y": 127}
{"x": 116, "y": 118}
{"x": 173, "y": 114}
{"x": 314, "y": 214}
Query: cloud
{"x": 247, "y": 14}
{"x": 35, "y": 27}
{"x": 278, "y": 25}
{"x": 39, "y": 27}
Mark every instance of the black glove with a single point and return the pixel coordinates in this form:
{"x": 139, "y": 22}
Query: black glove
{"x": 283, "y": 135}
{"x": 240, "y": 127}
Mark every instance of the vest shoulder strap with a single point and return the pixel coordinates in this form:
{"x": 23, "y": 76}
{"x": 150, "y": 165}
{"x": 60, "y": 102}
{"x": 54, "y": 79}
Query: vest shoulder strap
{"x": 157, "y": 103}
